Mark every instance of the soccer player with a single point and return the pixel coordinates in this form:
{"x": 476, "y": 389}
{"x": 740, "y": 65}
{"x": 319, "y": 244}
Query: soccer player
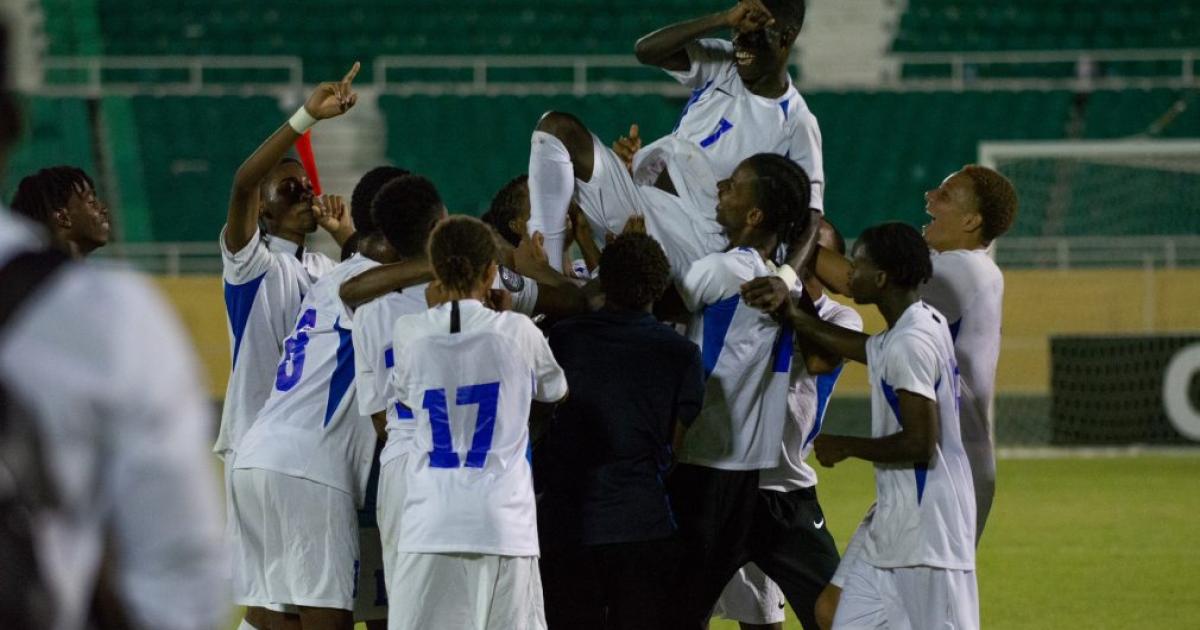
{"x": 468, "y": 537}
{"x": 915, "y": 564}
{"x": 360, "y": 204}
{"x": 743, "y": 103}
{"x": 63, "y": 199}
{"x": 968, "y": 211}
{"x": 801, "y": 541}
{"x": 607, "y": 532}
{"x": 747, "y": 359}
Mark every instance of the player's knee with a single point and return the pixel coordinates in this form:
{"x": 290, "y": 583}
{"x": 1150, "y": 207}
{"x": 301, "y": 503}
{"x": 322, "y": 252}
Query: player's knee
{"x": 562, "y": 125}
{"x": 826, "y": 606}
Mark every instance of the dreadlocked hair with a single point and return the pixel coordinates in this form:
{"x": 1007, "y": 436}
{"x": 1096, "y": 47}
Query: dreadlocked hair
{"x": 40, "y": 195}
{"x": 505, "y": 207}
{"x": 461, "y": 250}
{"x": 784, "y": 193}
{"x": 900, "y": 251}
{"x": 405, "y": 211}
{"x": 996, "y": 199}
{"x": 634, "y": 271}
{"x": 364, "y": 192}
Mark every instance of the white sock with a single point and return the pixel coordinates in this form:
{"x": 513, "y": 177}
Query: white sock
{"x": 551, "y": 184}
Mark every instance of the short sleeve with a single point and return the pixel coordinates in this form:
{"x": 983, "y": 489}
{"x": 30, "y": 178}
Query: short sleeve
{"x": 912, "y": 365}
{"x": 250, "y": 262}
{"x": 805, "y": 150}
{"x": 947, "y": 287}
{"x": 317, "y": 264}
{"x": 550, "y": 382}
{"x": 525, "y": 299}
{"x": 846, "y": 317}
{"x": 708, "y": 280}
{"x": 690, "y": 398}
{"x": 708, "y": 57}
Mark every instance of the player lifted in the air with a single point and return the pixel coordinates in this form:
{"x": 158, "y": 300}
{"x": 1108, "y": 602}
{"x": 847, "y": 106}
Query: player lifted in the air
{"x": 743, "y": 102}
{"x": 915, "y": 567}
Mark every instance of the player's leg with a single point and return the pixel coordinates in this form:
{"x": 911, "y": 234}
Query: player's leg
{"x": 935, "y": 598}
{"x": 514, "y": 598}
{"x": 388, "y": 509}
{"x": 792, "y": 545}
{"x": 370, "y": 601}
{"x": 312, "y": 618}
{"x": 982, "y": 457}
{"x": 638, "y": 578}
{"x": 753, "y": 600}
{"x": 827, "y": 601}
{"x": 867, "y": 596}
{"x": 560, "y": 152}
{"x": 574, "y": 595}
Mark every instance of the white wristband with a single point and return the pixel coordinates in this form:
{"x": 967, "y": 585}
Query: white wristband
{"x": 301, "y": 121}
{"x": 788, "y": 275}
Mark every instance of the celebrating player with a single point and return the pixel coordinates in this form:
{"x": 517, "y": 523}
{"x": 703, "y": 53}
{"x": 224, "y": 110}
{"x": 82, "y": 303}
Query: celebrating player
{"x": 467, "y": 545}
{"x": 608, "y": 535}
{"x": 63, "y": 199}
{"x": 916, "y": 561}
{"x": 801, "y": 542}
{"x": 747, "y": 358}
{"x": 743, "y": 102}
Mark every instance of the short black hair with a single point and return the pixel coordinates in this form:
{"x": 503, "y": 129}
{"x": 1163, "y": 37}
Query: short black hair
{"x": 784, "y": 193}
{"x": 48, "y": 190}
{"x": 505, "y": 206}
{"x": 788, "y": 14}
{"x": 405, "y": 211}
{"x": 900, "y": 251}
{"x": 364, "y": 193}
{"x": 634, "y": 271}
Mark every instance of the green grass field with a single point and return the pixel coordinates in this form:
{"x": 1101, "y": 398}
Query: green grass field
{"x": 1072, "y": 542}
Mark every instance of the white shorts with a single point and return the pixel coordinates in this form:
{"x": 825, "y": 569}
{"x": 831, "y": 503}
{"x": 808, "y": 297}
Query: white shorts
{"x": 466, "y": 592}
{"x": 388, "y": 506}
{"x": 909, "y": 598}
{"x": 684, "y": 224}
{"x": 296, "y": 542}
{"x": 752, "y": 598}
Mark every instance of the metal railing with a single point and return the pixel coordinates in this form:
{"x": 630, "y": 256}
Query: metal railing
{"x": 174, "y": 75}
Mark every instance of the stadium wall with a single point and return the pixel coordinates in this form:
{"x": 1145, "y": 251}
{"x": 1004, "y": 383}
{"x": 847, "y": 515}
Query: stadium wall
{"x": 1037, "y": 305}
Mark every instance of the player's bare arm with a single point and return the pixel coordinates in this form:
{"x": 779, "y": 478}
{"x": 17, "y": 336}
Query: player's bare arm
{"x": 330, "y": 99}
{"x": 582, "y": 232}
{"x": 916, "y": 442}
{"x": 384, "y": 279}
{"x": 770, "y": 294}
{"x": 832, "y": 269}
{"x": 664, "y": 48}
{"x": 331, "y": 214}
{"x": 557, "y": 295}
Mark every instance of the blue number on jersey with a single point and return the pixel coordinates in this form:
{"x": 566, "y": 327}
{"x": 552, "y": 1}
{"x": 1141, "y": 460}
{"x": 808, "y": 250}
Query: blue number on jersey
{"x": 292, "y": 366}
{"x": 487, "y": 396}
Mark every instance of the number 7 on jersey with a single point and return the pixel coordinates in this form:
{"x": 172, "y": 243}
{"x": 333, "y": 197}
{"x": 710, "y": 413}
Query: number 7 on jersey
{"x": 443, "y": 455}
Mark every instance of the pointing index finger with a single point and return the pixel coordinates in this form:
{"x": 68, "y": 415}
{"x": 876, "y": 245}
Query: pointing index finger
{"x": 349, "y": 78}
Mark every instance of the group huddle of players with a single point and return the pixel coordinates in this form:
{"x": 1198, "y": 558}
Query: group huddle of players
{"x": 454, "y": 428}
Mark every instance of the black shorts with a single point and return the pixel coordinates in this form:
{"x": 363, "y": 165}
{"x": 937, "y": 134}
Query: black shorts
{"x": 725, "y": 521}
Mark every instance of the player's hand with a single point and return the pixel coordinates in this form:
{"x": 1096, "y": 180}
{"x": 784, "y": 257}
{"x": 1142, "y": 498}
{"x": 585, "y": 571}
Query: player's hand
{"x": 748, "y": 15}
{"x": 829, "y": 451}
{"x": 627, "y": 146}
{"x": 530, "y": 255}
{"x": 499, "y": 300}
{"x": 768, "y": 294}
{"x": 331, "y": 98}
{"x": 581, "y": 230}
{"x": 330, "y": 211}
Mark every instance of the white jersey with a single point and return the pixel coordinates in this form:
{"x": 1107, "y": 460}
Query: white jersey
{"x": 968, "y": 288}
{"x": 728, "y": 123}
{"x": 808, "y": 397}
{"x": 374, "y": 359}
{"x": 524, "y": 290}
{"x": 264, "y": 284}
{"x": 747, "y": 358}
{"x": 310, "y": 426}
{"x": 924, "y": 514}
{"x": 102, "y": 365}
{"x": 469, "y": 483}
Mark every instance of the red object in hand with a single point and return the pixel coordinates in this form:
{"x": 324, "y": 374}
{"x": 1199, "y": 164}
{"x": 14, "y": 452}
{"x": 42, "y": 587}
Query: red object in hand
{"x": 304, "y": 148}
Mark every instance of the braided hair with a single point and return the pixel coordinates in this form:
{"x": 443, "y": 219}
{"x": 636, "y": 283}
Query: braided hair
{"x": 461, "y": 250}
{"x": 784, "y": 193}
{"x": 40, "y": 195}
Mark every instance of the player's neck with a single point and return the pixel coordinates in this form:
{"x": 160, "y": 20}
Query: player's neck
{"x": 292, "y": 236}
{"x": 771, "y": 85}
{"x": 892, "y": 304}
{"x": 965, "y": 241}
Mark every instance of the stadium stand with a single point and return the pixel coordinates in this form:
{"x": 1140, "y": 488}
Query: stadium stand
{"x": 57, "y": 131}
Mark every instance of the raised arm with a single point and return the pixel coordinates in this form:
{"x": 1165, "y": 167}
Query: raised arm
{"x": 382, "y": 280}
{"x": 916, "y": 442}
{"x": 327, "y": 101}
{"x": 833, "y": 270}
{"x": 664, "y": 48}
